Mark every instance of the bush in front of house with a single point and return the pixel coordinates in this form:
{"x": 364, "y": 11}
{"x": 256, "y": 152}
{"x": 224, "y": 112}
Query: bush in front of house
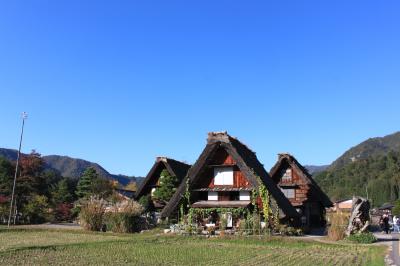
{"x": 92, "y": 214}
{"x": 125, "y": 217}
{"x": 362, "y": 238}
{"x": 285, "y": 230}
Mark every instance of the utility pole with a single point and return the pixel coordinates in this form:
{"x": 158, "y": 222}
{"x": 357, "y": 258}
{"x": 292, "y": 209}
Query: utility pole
{"x": 24, "y": 117}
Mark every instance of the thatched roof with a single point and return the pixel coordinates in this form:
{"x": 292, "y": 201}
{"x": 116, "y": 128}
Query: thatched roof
{"x": 174, "y": 168}
{"x": 285, "y": 159}
{"x": 125, "y": 193}
{"x": 247, "y": 163}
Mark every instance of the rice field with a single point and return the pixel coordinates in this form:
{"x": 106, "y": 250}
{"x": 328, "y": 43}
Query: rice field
{"x": 51, "y": 247}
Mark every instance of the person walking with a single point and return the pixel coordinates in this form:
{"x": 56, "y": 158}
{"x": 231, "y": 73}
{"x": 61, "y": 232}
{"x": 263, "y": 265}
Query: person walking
{"x": 395, "y": 226}
{"x": 385, "y": 220}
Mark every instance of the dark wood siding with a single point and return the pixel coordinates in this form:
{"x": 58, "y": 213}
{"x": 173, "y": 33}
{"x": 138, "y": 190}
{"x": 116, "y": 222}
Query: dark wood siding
{"x": 301, "y": 188}
{"x": 221, "y": 158}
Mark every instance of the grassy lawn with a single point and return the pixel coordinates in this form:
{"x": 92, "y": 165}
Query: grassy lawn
{"x": 45, "y": 247}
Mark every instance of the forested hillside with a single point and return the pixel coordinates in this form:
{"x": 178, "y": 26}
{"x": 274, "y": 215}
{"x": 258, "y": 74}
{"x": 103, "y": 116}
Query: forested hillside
{"x": 379, "y": 176}
{"x": 370, "y": 148}
{"x": 71, "y": 167}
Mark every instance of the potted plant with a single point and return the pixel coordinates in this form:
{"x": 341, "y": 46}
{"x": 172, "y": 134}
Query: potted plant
{"x": 222, "y": 225}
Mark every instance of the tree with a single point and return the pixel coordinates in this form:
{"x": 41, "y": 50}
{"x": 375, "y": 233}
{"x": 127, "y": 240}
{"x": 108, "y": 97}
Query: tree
{"x": 6, "y": 177}
{"x": 167, "y": 186}
{"x": 102, "y": 187}
{"x": 396, "y": 208}
{"x": 91, "y": 184}
{"x": 85, "y": 184}
{"x": 147, "y": 203}
{"x": 61, "y": 192}
{"x": 31, "y": 181}
{"x": 37, "y": 209}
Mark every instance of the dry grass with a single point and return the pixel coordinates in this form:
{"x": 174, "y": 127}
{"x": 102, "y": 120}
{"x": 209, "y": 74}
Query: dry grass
{"x": 338, "y": 224}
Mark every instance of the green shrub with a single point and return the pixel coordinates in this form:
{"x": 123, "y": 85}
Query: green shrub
{"x": 92, "y": 214}
{"x": 125, "y": 217}
{"x": 362, "y": 238}
{"x": 299, "y": 232}
{"x": 289, "y": 231}
{"x": 223, "y": 222}
{"x": 147, "y": 203}
{"x": 37, "y": 210}
{"x": 243, "y": 226}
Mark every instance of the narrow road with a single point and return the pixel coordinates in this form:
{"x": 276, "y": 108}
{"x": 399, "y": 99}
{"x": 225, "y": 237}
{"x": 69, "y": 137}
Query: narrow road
{"x": 392, "y": 240}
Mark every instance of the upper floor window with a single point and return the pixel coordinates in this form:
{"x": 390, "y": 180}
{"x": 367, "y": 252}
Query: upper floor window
{"x": 287, "y": 175}
{"x": 288, "y": 192}
{"x": 223, "y": 176}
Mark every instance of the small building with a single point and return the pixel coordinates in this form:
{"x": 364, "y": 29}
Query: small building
{"x": 300, "y": 188}
{"x": 125, "y": 194}
{"x": 152, "y": 180}
{"x": 386, "y": 208}
{"x": 224, "y": 177}
{"x": 344, "y": 205}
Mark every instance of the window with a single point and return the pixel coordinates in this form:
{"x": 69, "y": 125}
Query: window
{"x": 244, "y": 195}
{"x": 212, "y": 195}
{"x": 287, "y": 175}
{"x": 223, "y": 176}
{"x": 288, "y": 192}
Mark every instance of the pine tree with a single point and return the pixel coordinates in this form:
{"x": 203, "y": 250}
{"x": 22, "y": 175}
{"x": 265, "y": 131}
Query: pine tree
{"x": 167, "y": 186}
{"x": 85, "y": 184}
{"x": 61, "y": 192}
{"x": 6, "y": 177}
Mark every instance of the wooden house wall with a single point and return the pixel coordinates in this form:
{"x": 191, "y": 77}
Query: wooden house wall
{"x": 302, "y": 189}
{"x": 224, "y": 159}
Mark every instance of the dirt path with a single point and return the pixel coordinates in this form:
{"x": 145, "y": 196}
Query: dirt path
{"x": 391, "y": 240}
{"x": 69, "y": 226}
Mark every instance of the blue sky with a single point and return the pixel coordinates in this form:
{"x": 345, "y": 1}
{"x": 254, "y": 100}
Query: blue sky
{"x": 120, "y": 82}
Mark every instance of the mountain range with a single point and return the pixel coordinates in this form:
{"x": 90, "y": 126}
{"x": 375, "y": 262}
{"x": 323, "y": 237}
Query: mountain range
{"x": 72, "y": 167}
{"x": 370, "y": 169}
{"x": 370, "y": 148}
{"x": 314, "y": 169}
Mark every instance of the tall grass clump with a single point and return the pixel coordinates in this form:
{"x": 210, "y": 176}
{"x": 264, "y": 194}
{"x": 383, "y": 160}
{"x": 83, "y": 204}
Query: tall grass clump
{"x": 92, "y": 214}
{"x": 338, "y": 223}
{"x": 125, "y": 217}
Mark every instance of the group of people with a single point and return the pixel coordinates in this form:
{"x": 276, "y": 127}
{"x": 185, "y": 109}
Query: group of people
{"x": 387, "y": 225}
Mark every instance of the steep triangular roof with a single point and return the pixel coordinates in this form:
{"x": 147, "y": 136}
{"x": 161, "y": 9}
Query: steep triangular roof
{"x": 174, "y": 167}
{"x": 288, "y": 159}
{"x": 247, "y": 162}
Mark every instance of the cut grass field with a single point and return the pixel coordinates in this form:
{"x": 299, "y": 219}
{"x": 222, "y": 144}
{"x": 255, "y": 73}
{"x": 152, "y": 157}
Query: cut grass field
{"x": 63, "y": 247}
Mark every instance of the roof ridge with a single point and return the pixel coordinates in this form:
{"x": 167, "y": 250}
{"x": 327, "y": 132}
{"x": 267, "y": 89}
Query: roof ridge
{"x": 166, "y": 158}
